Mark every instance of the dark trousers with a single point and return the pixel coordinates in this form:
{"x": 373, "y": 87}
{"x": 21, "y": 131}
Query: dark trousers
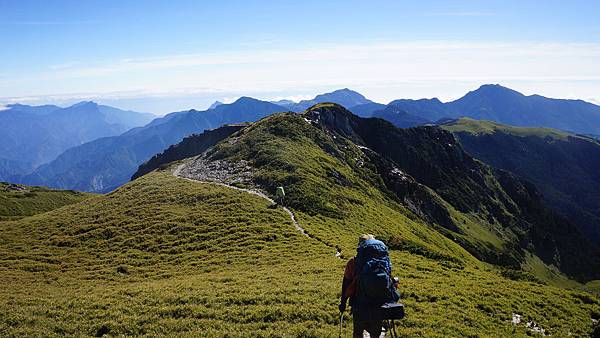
{"x": 373, "y": 327}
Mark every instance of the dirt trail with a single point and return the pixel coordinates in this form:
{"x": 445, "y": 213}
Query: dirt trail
{"x": 177, "y": 173}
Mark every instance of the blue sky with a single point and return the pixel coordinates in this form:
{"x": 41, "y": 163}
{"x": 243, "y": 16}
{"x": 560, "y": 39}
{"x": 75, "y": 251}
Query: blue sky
{"x": 162, "y": 56}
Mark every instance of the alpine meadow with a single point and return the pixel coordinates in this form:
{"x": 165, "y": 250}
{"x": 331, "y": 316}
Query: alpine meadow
{"x": 242, "y": 189}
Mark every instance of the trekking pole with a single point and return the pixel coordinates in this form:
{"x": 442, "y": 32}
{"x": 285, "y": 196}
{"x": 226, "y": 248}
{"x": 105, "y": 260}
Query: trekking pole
{"x": 388, "y": 329}
{"x": 341, "y": 321}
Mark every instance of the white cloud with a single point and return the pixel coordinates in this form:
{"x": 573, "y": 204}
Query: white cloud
{"x": 382, "y": 70}
{"x": 427, "y": 59}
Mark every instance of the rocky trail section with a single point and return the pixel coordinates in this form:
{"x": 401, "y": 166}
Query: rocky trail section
{"x": 203, "y": 170}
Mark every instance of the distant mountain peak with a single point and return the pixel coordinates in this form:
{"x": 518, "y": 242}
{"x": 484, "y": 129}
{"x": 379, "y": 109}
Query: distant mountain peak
{"x": 246, "y": 99}
{"x": 345, "y": 97}
{"x": 85, "y": 103}
{"x": 491, "y": 85}
{"x": 84, "y": 107}
{"x": 344, "y": 92}
{"x": 487, "y": 89}
{"x": 215, "y": 105}
{"x": 284, "y": 103}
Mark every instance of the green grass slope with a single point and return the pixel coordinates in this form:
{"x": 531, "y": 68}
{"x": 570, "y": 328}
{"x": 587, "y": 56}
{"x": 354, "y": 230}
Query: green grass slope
{"x": 321, "y": 159}
{"x": 480, "y": 127}
{"x": 563, "y": 166}
{"x": 168, "y": 256}
{"x": 197, "y": 259}
{"x": 327, "y": 189}
{"x": 18, "y": 201}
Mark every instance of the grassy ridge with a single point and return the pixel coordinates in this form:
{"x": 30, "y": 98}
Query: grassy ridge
{"x": 166, "y": 256}
{"x": 17, "y": 201}
{"x": 479, "y": 127}
{"x": 206, "y": 253}
{"x": 200, "y": 260}
{"x": 289, "y": 152}
{"x": 330, "y": 176}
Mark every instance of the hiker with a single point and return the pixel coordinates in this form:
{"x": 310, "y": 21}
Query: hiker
{"x": 279, "y": 195}
{"x": 368, "y": 284}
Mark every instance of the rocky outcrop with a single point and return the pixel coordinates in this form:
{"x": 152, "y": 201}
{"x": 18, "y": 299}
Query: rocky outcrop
{"x": 190, "y": 146}
{"x": 205, "y": 169}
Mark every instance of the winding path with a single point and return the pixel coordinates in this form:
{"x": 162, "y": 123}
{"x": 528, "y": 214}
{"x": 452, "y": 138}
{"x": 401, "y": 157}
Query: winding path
{"x": 177, "y": 173}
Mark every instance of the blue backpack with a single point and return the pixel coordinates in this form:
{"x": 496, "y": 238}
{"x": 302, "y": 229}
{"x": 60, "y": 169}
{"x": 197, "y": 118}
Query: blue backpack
{"x": 375, "y": 285}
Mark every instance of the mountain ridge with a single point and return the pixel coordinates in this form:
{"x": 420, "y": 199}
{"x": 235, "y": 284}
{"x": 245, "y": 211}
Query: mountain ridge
{"x": 508, "y": 106}
{"x": 443, "y": 191}
{"x": 345, "y": 97}
{"x": 163, "y": 255}
{"x": 124, "y": 161}
{"x": 106, "y": 163}
{"x": 34, "y": 135}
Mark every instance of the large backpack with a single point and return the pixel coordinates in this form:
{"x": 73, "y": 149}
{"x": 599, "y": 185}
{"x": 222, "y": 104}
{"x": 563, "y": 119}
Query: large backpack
{"x": 374, "y": 283}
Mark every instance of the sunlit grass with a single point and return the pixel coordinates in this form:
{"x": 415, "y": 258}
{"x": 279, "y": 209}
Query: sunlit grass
{"x": 17, "y": 201}
{"x": 200, "y": 259}
{"x": 167, "y": 256}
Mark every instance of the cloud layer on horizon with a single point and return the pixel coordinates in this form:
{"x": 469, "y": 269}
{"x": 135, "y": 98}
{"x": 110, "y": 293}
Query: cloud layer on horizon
{"x": 381, "y": 70}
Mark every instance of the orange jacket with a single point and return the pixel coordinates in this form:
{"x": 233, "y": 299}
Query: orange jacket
{"x": 349, "y": 283}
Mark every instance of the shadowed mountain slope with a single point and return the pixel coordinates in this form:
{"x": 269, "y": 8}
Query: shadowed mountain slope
{"x": 367, "y": 109}
{"x": 399, "y": 118}
{"x": 565, "y": 167}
